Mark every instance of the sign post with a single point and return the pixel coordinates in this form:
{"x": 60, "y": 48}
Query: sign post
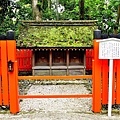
{"x": 109, "y": 49}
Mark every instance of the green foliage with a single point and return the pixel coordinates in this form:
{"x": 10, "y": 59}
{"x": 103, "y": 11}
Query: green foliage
{"x": 105, "y": 13}
{"x": 56, "y": 36}
{"x": 14, "y": 13}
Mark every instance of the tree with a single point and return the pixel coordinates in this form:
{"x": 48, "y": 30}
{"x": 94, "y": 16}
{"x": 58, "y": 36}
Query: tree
{"x": 37, "y": 9}
{"x": 81, "y": 9}
{"x": 12, "y": 13}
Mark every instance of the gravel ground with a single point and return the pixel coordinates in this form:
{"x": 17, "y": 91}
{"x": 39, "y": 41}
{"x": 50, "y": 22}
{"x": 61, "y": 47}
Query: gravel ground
{"x": 57, "y": 109}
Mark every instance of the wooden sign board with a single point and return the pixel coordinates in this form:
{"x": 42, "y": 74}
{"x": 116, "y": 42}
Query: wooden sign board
{"x": 109, "y": 48}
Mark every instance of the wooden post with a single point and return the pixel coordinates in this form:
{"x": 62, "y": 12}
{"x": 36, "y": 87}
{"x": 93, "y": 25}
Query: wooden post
{"x": 12, "y": 73}
{"x": 118, "y": 83}
{"x": 67, "y": 60}
{"x": 97, "y": 74}
{"x": 4, "y": 72}
{"x": 50, "y": 61}
{"x": 105, "y": 82}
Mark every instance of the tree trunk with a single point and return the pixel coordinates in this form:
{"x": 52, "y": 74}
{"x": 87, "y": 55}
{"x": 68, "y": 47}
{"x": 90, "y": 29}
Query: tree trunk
{"x": 81, "y": 9}
{"x": 37, "y": 13}
{"x": 49, "y": 4}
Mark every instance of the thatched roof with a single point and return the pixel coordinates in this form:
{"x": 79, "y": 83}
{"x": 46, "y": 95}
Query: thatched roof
{"x": 57, "y": 33}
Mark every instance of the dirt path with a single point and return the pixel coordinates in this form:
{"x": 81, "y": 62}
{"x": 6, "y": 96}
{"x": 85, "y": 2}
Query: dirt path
{"x": 57, "y": 109}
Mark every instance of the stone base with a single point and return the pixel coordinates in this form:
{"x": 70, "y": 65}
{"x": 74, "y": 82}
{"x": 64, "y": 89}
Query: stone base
{"x": 59, "y": 72}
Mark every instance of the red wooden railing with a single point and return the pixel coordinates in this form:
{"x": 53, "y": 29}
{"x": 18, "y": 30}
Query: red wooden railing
{"x": 24, "y": 58}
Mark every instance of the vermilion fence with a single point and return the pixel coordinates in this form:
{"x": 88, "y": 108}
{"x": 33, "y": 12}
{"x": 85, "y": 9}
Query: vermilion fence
{"x": 24, "y": 58}
{"x": 9, "y": 93}
{"x": 89, "y": 56}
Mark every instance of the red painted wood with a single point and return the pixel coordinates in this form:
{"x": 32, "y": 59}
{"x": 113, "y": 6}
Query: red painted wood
{"x": 105, "y": 70}
{"x": 89, "y": 56}
{"x": 24, "y": 58}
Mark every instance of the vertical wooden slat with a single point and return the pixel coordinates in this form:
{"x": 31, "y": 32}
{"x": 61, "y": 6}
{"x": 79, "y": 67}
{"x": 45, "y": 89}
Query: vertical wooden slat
{"x": 33, "y": 62}
{"x": 105, "y": 70}
{"x": 67, "y": 60}
{"x": 87, "y": 59}
{"x": 91, "y": 59}
{"x": 89, "y": 56}
{"x": 96, "y": 80}
{"x": 17, "y": 55}
{"x": 118, "y": 83}
{"x": 50, "y": 61}
{"x": 13, "y": 85}
{"x": 4, "y": 72}
{"x": 21, "y": 60}
{"x": 28, "y": 60}
{"x": 24, "y": 60}
{"x": 84, "y": 62}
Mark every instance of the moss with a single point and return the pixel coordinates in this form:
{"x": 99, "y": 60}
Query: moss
{"x": 56, "y": 36}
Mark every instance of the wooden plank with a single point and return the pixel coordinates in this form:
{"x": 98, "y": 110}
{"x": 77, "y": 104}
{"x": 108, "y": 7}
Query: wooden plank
{"x": 18, "y": 58}
{"x": 33, "y": 62}
{"x": 4, "y": 73}
{"x": 21, "y": 59}
{"x": 50, "y": 61}
{"x": 96, "y": 80}
{"x": 118, "y": 83}
{"x": 86, "y": 59}
{"x": 29, "y": 60}
{"x": 31, "y": 52}
{"x": 105, "y": 70}
{"x": 54, "y": 77}
{"x": 91, "y": 57}
{"x": 13, "y": 82}
{"x": 56, "y": 96}
{"x": 67, "y": 60}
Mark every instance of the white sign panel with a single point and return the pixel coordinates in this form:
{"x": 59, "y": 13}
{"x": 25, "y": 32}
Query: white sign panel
{"x": 109, "y": 49}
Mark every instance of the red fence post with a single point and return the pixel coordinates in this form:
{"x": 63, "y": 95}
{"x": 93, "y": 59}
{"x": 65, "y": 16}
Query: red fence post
{"x": 12, "y": 74}
{"x": 97, "y": 74}
{"x": 4, "y": 72}
{"x": 118, "y": 83}
{"x": 105, "y": 70}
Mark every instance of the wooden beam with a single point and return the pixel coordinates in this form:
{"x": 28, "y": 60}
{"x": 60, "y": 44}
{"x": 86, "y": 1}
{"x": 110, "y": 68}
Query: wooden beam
{"x": 56, "y": 96}
{"x": 54, "y": 77}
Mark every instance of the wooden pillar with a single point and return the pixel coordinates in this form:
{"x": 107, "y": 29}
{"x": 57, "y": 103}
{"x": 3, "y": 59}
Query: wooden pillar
{"x": 12, "y": 73}
{"x": 105, "y": 81}
{"x": 97, "y": 74}
{"x": 67, "y": 60}
{"x": 50, "y": 61}
{"x": 4, "y": 71}
{"x": 118, "y": 83}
